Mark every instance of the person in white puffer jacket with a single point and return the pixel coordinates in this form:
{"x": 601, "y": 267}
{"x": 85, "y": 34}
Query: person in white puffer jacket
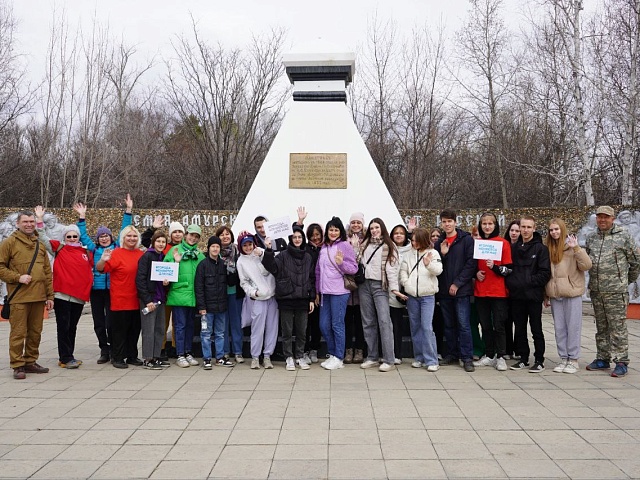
{"x": 419, "y": 272}
{"x": 259, "y": 309}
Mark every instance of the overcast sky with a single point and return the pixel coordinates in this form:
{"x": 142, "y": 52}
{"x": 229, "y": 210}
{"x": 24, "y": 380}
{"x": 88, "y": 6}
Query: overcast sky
{"x": 150, "y": 25}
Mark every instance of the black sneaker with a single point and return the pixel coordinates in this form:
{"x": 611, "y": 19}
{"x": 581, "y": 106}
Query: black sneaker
{"x": 224, "y": 362}
{"x": 151, "y": 365}
{"x": 448, "y": 361}
{"x": 163, "y": 363}
{"x": 104, "y": 358}
{"x": 537, "y": 367}
{"x": 206, "y": 363}
{"x": 135, "y": 362}
{"x": 119, "y": 364}
{"x": 519, "y": 366}
{"x": 468, "y": 366}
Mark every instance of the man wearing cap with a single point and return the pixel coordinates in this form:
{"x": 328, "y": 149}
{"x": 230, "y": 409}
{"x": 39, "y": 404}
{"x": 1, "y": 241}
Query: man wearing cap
{"x": 182, "y": 295}
{"x": 33, "y": 291}
{"x": 616, "y": 264}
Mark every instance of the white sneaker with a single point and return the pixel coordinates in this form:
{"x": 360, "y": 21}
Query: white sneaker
{"x": 397, "y": 361}
{"x": 192, "y": 361}
{"x": 501, "y": 364}
{"x": 302, "y": 364}
{"x": 335, "y": 364}
{"x": 327, "y": 361}
{"x": 267, "y": 362}
{"x": 182, "y": 362}
{"x": 255, "y": 363}
{"x": 369, "y": 364}
{"x": 561, "y": 366}
{"x": 417, "y": 364}
{"x": 385, "y": 367}
{"x": 313, "y": 355}
{"x": 291, "y": 366}
{"x": 306, "y": 358}
{"x": 485, "y": 362}
{"x": 572, "y": 367}
{"x": 433, "y": 368}
{"x": 239, "y": 359}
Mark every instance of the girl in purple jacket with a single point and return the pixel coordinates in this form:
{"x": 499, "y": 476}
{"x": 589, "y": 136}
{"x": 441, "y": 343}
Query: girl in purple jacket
{"x": 336, "y": 259}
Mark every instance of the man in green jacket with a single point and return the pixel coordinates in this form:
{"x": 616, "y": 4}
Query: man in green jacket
{"x": 182, "y": 295}
{"x": 35, "y": 292}
{"x": 616, "y": 264}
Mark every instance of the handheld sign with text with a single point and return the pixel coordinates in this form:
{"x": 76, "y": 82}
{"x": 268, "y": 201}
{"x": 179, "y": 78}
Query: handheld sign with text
{"x": 164, "y": 270}
{"x": 487, "y": 250}
{"x": 278, "y": 228}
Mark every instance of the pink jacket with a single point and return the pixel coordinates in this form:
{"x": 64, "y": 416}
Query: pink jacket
{"x": 329, "y": 275}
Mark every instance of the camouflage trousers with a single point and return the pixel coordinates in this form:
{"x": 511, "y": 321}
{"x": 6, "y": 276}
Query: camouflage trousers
{"x": 612, "y": 339}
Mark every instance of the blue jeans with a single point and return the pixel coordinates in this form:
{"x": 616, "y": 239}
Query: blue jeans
{"x": 332, "y": 310}
{"x": 420, "y": 310}
{"x": 456, "y": 312}
{"x": 183, "y": 323}
{"x": 233, "y": 335}
{"x": 215, "y": 323}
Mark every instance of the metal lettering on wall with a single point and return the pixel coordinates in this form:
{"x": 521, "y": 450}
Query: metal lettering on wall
{"x": 318, "y": 170}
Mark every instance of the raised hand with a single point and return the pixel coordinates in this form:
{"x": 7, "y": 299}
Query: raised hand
{"x": 355, "y": 241}
{"x": 302, "y": 214}
{"x": 572, "y": 241}
{"x": 412, "y": 224}
{"x": 427, "y": 259}
{"x": 176, "y": 255}
{"x": 128, "y": 201}
{"x": 158, "y": 221}
{"x": 444, "y": 247}
{"x": 39, "y": 211}
{"x": 81, "y": 209}
{"x": 267, "y": 242}
{"x": 339, "y": 257}
{"x": 106, "y": 255}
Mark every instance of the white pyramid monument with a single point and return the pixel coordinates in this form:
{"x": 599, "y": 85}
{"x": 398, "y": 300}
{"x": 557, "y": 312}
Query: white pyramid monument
{"x": 318, "y": 159}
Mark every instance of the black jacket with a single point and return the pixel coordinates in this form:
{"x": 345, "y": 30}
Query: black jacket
{"x": 145, "y": 286}
{"x": 211, "y": 285}
{"x": 458, "y": 266}
{"x": 531, "y": 269}
{"x": 295, "y": 277}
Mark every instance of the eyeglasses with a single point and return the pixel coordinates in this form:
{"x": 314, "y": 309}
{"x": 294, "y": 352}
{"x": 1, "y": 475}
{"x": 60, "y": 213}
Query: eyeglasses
{"x": 71, "y": 236}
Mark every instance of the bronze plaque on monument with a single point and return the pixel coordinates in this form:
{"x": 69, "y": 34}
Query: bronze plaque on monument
{"x": 318, "y": 170}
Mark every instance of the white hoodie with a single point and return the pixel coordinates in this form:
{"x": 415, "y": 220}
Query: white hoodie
{"x": 254, "y": 278}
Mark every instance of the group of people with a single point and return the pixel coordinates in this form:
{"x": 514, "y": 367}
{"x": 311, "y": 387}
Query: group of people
{"x": 349, "y": 285}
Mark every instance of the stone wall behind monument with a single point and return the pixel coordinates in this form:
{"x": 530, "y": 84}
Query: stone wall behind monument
{"x": 209, "y": 220}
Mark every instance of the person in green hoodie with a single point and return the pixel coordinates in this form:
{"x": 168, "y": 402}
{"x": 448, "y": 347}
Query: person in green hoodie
{"x": 182, "y": 295}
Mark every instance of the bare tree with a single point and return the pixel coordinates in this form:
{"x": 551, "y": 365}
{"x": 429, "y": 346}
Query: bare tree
{"x": 228, "y": 110}
{"x": 483, "y": 48}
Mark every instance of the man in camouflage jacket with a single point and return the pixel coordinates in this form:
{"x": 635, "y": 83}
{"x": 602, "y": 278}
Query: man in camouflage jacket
{"x": 616, "y": 264}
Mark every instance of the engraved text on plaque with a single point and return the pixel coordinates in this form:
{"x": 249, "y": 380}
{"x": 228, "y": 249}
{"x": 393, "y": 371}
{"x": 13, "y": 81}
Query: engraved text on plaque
{"x": 318, "y": 170}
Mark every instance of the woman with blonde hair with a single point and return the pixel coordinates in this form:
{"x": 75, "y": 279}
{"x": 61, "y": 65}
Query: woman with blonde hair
{"x": 122, "y": 264}
{"x": 564, "y": 293}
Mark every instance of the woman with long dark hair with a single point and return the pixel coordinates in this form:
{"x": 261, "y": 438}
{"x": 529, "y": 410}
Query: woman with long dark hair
{"x": 314, "y": 243}
{"x": 379, "y": 255}
{"x": 336, "y": 259}
{"x": 511, "y": 234}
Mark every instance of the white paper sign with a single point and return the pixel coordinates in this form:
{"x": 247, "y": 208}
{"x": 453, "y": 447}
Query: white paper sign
{"x": 162, "y": 270}
{"x": 278, "y": 228}
{"x": 487, "y": 250}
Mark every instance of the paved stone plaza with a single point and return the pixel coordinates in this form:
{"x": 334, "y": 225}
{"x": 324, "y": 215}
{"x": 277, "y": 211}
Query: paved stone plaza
{"x": 101, "y": 422}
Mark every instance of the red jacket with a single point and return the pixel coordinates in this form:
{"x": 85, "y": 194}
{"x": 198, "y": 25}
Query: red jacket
{"x": 72, "y": 270}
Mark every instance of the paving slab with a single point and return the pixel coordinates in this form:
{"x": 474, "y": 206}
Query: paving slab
{"x": 98, "y": 422}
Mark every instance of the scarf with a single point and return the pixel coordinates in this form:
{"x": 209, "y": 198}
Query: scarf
{"x": 229, "y": 254}
{"x": 190, "y": 251}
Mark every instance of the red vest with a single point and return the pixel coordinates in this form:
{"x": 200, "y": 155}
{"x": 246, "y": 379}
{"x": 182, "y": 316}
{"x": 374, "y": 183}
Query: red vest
{"x": 72, "y": 270}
